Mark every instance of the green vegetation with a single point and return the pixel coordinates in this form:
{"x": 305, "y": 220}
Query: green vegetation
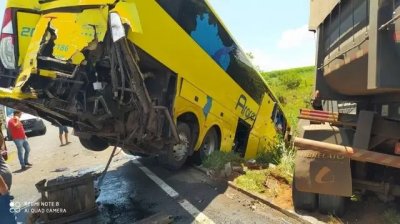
{"x": 266, "y": 181}
{"x": 293, "y": 88}
{"x": 334, "y": 220}
{"x": 253, "y": 180}
{"x": 278, "y": 153}
{"x": 391, "y": 216}
{"x": 217, "y": 160}
{"x": 281, "y": 155}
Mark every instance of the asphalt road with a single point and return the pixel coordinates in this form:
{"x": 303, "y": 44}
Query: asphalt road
{"x": 135, "y": 188}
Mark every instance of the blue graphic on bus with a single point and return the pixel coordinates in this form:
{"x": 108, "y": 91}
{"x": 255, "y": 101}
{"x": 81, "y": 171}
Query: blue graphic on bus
{"x": 207, "y": 107}
{"x": 206, "y": 35}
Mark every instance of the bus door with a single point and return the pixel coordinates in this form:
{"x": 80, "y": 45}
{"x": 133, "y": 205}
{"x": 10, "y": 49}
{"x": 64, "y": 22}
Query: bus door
{"x": 263, "y": 129}
{"x": 241, "y": 137}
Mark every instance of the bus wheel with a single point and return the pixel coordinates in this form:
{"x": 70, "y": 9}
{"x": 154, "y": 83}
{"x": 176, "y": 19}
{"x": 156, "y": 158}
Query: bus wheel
{"x": 176, "y": 156}
{"x": 332, "y": 204}
{"x": 94, "y": 143}
{"x": 210, "y": 144}
{"x": 303, "y": 200}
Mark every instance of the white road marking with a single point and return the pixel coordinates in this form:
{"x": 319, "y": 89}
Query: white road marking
{"x": 185, "y": 204}
{"x": 199, "y": 216}
{"x": 171, "y": 192}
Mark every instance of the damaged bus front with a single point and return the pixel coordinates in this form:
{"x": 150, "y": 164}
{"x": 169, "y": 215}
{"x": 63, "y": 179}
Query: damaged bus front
{"x": 143, "y": 75}
{"x": 71, "y": 63}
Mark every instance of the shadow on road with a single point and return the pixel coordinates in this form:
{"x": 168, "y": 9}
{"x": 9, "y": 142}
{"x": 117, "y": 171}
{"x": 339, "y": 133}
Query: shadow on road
{"x": 128, "y": 195}
{"x": 22, "y": 170}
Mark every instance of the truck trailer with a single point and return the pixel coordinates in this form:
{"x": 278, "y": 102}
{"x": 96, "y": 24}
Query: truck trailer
{"x": 341, "y": 154}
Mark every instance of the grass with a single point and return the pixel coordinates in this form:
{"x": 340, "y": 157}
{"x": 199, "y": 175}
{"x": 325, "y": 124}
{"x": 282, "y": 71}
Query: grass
{"x": 273, "y": 154}
{"x": 253, "y": 180}
{"x": 286, "y": 166}
{"x": 294, "y": 88}
{"x": 281, "y": 155}
{"x": 217, "y": 160}
{"x": 391, "y": 216}
{"x": 278, "y": 154}
{"x": 266, "y": 181}
{"x": 334, "y": 220}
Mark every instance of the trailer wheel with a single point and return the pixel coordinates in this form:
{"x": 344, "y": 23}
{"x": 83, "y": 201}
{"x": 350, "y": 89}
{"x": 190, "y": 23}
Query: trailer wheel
{"x": 332, "y": 204}
{"x": 176, "y": 156}
{"x": 303, "y": 200}
{"x": 94, "y": 143}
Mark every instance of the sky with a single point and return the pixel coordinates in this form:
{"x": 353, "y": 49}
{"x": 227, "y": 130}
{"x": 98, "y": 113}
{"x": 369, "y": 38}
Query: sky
{"x": 275, "y": 32}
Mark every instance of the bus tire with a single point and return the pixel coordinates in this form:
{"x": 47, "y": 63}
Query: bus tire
{"x": 332, "y": 204}
{"x": 94, "y": 143}
{"x": 176, "y": 156}
{"x": 303, "y": 200}
{"x": 209, "y": 145}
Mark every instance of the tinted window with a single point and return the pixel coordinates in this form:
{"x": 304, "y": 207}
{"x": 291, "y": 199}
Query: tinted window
{"x": 196, "y": 18}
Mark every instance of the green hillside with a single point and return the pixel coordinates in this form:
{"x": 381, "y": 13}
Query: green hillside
{"x": 293, "y": 87}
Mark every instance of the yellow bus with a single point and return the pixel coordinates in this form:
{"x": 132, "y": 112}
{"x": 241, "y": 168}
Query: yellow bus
{"x": 159, "y": 77}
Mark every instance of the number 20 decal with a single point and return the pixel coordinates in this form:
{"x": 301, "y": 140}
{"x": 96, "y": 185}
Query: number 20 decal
{"x": 27, "y": 31}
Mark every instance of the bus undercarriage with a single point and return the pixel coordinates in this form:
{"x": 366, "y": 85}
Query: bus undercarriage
{"x": 117, "y": 95}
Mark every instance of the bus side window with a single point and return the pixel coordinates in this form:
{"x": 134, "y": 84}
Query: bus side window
{"x": 279, "y": 121}
{"x": 278, "y": 118}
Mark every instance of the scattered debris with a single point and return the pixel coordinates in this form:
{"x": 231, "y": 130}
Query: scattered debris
{"x": 238, "y": 169}
{"x": 227, "y": 170}
{"x": 95, "y": 170}
{"x": 254, "y": 165}
{"x": 58, "y": 170}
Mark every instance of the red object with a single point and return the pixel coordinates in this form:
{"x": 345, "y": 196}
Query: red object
{"x": 397, "y": 148}
{"x": 396, "y": 36}
{"x": 16, "y": 129}
{"x": 6, "y": 29}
